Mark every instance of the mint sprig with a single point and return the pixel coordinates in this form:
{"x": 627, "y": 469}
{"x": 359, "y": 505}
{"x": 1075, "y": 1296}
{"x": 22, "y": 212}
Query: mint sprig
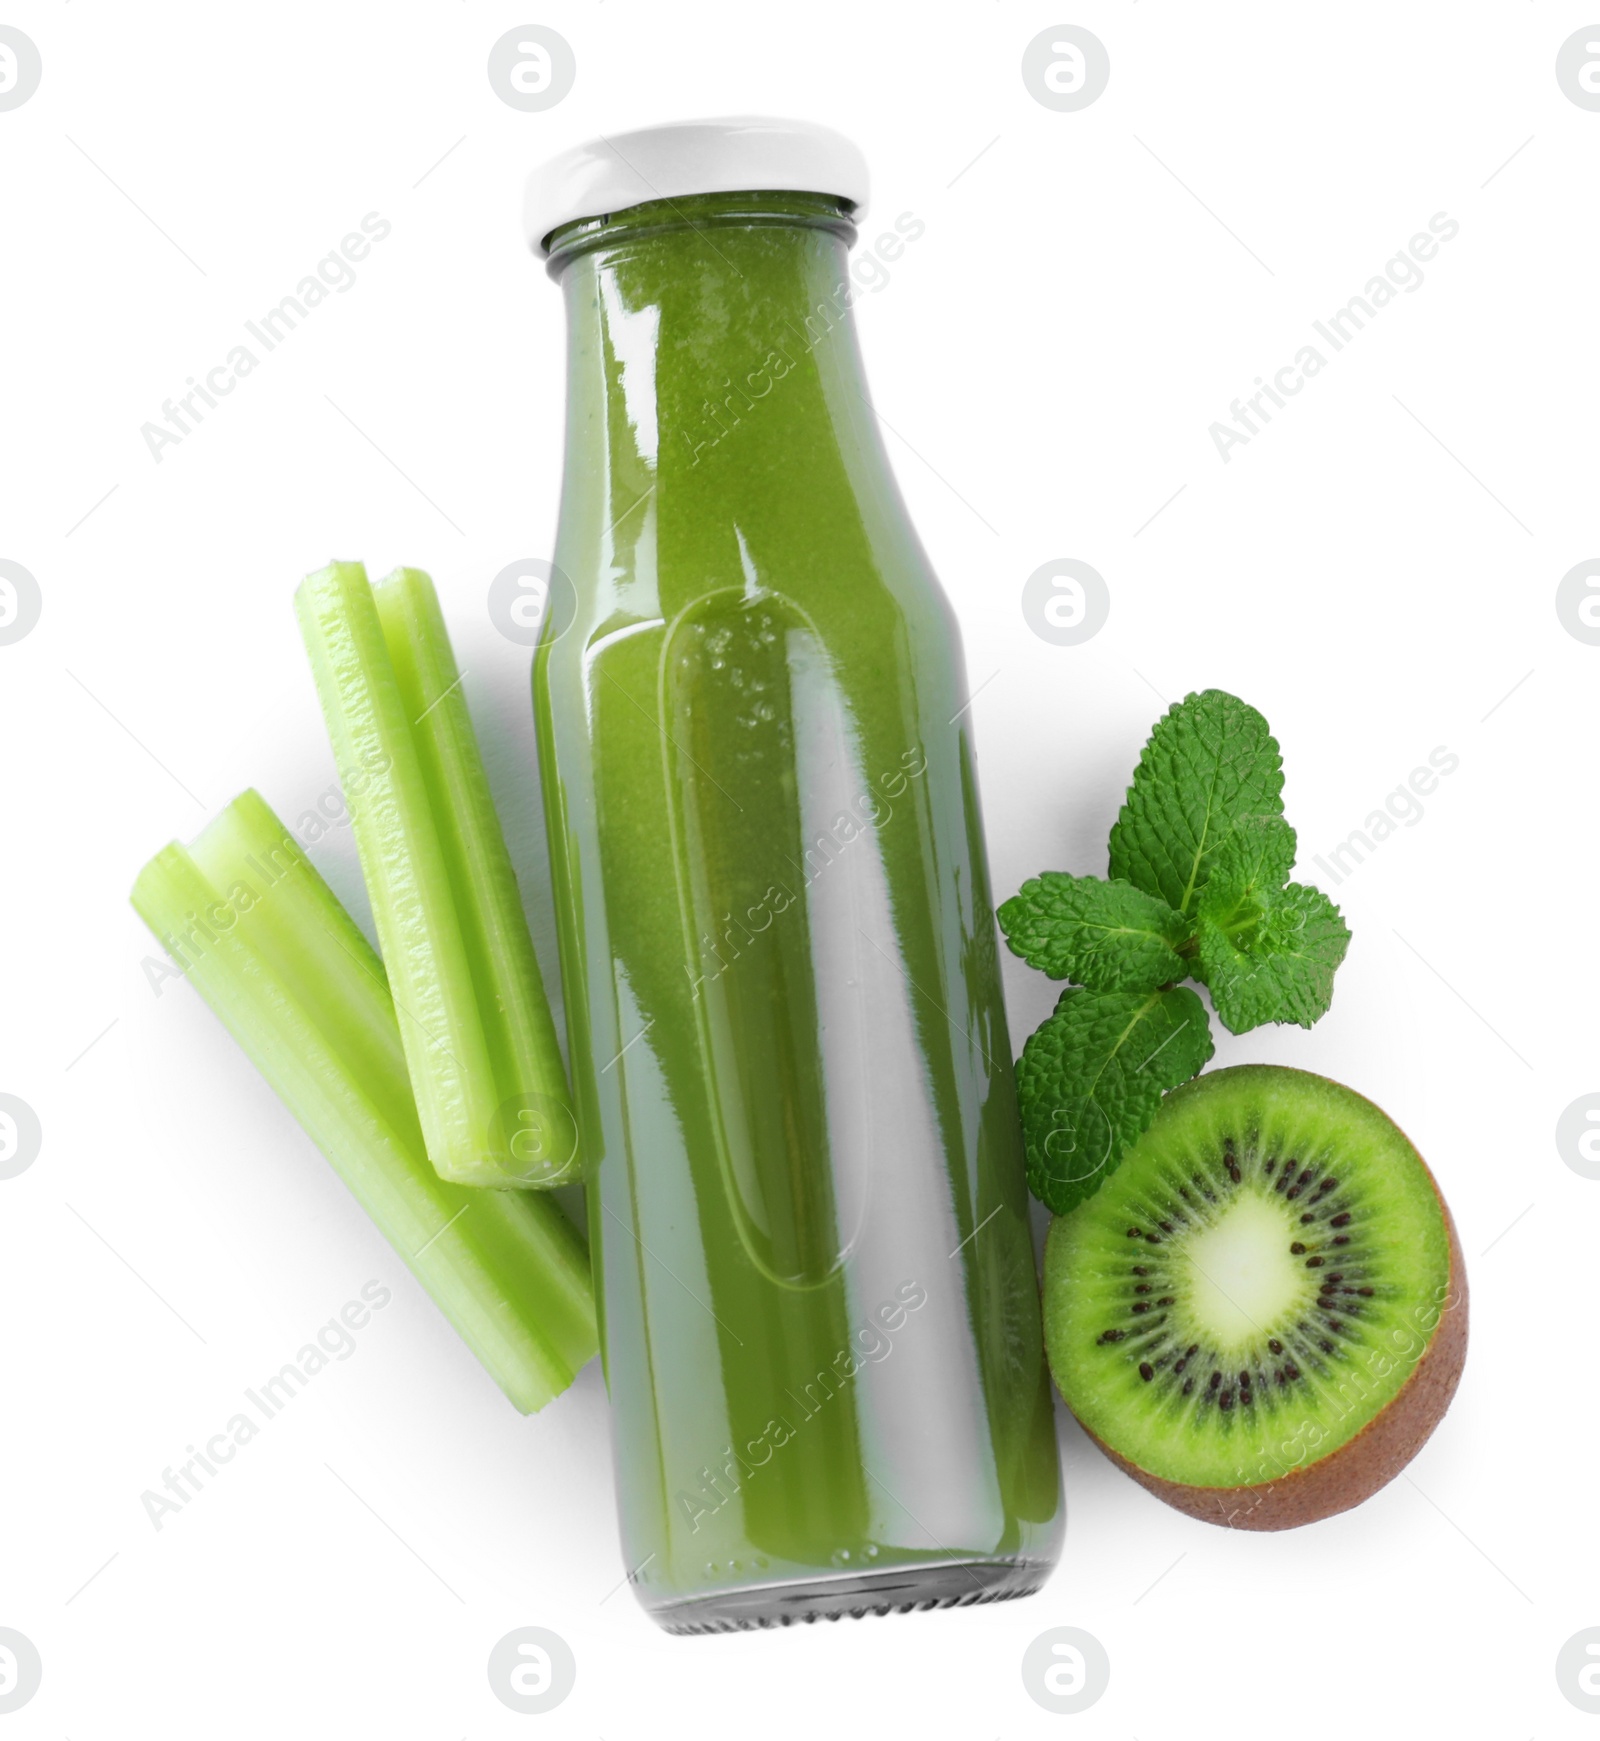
{"x": 1199, "y": 888}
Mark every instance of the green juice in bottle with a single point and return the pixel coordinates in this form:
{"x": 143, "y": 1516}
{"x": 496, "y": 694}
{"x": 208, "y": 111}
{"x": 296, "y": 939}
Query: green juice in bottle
{"x": 818, "y": 1302}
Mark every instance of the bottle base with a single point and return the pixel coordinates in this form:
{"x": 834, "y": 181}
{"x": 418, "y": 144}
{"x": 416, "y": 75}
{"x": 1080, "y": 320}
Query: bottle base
{"x": 895, "y": 1590}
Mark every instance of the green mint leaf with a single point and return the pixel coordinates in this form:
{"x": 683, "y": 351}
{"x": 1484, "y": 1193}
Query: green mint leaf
{"x": 1210, "y": 761}
{"x": 1256, "y": 854}
{"x": 1269, "y": 955}
{"x": 1108, "y": 936}
{"x": 1091, "y": 1077}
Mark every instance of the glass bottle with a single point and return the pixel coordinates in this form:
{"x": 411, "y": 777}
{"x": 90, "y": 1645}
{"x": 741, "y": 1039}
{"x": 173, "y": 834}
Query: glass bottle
{"x": 819, "y": 1310}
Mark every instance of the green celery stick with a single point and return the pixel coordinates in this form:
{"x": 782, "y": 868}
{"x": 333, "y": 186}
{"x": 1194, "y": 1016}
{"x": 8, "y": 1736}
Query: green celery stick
{"x": 264, "y": 941}
{"x": 479, "y": 1040}
{"x": 519, "y": 1030}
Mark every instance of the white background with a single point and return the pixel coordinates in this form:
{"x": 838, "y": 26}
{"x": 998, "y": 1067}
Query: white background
{"x": 1376, "y": 571}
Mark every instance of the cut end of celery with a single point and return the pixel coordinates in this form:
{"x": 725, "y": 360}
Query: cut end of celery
{"x": 532, "y": 1145}
{"x": 335, "y": 574}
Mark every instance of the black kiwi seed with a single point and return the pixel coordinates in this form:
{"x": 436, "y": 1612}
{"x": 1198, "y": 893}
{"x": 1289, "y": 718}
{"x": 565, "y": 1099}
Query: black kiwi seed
{"x": 1146, "y": 1371}
{"x": 1112, "y": 1335}
{"x": 1179, "y": 1364}
{"x": 1268, "y": 1168}
{"x": 1340, "y": 1220}
{"x": 1327, "y": 1185}
{"x": 1307, "y": 1219}
{"x": 1274, "y": 1344}
{"x": 1216, "y": 1379}
{"x": 1225, "y": 1401}
{"x": 1165, "y": 1300}
{"x": 1140, "y": 1270}
{"x": 1141, "y": 1305}
{"x": 1142, "y": 1288}
{"x": 1244, "y": 1381}
{"x": 1315, "y": 1262}
{"x": 1150, "y": 1239}
{"x": 1233, "y": 1169}
{"x": 1188, "y": 1387}
{"x": 1341, "y": 1239}
{"x": 1192, "y": 1350}
{"x": 1297, "y": 1249}
{"x": 1135, "y": 1233}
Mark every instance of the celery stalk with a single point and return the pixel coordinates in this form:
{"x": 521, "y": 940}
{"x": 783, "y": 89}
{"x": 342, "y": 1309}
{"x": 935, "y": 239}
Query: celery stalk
{"x": 518, "y": 1027}
{"x": 479, "y": 1041}
{"x": 265, "y": 942}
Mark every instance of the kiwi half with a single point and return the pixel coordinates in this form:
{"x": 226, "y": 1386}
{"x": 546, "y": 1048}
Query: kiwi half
{"x": 1262, "y": 1314}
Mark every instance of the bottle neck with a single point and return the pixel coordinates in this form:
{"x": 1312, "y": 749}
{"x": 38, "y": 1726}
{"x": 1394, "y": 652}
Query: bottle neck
{"x": 712, "y": 363}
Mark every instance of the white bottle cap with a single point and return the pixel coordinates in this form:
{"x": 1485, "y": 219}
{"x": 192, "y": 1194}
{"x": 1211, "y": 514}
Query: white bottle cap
{"x": 734, "y": 154}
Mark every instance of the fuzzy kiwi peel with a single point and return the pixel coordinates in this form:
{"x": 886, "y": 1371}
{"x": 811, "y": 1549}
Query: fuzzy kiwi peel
{"x": 1262, "y": 1314}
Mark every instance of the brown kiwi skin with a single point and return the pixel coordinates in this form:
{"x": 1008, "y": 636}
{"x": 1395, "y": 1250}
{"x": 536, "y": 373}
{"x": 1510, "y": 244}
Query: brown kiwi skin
{"x": 1363, "y": 1464}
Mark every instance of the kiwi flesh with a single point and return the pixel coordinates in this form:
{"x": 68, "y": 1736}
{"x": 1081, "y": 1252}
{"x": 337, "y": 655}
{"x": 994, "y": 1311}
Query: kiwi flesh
{"x": 1262, "y": 1314}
